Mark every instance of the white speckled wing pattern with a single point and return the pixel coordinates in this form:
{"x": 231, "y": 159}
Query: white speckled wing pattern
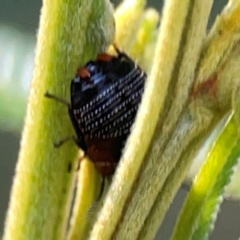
{"x": 112, "y": 112}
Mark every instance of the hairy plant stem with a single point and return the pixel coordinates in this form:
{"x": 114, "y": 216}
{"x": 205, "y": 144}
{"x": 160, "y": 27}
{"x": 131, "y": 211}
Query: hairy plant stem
{"x": 131, "y": 210}
{"x": 69, "y": 34}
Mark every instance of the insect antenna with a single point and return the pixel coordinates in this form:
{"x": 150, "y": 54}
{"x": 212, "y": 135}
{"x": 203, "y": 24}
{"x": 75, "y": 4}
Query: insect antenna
{"x": 121, "y": 53}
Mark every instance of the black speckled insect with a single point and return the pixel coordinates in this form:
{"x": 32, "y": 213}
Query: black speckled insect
{"x": 105, "y": 96}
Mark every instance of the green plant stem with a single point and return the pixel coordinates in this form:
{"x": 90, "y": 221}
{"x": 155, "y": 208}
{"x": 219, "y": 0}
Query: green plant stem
{"x": 42, "y": 189}
{"x": 213, "y": 203}
{"x": 170, "y": 187}
{"x": 205, "y": 181}
{"x": 128, "y": 15}
{"x": 88, "y": 190}
{"x": 122, "y": 195}
{"x": 179, "y": 123}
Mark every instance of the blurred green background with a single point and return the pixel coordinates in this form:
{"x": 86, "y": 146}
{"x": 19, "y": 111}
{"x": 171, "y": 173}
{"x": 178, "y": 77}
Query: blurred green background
{"x": 18, "y": 29}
